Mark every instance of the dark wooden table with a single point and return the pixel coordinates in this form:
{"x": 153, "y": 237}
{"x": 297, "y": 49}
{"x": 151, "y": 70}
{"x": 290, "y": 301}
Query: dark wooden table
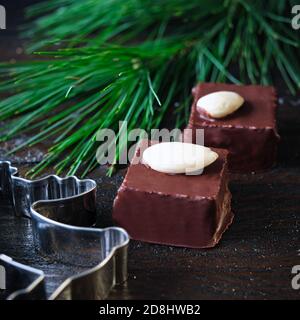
{"x": 253, "y": 260}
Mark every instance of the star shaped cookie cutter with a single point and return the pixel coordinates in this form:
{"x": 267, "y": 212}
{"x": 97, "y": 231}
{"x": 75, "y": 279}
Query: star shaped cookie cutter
{"x": 62, "y": 212}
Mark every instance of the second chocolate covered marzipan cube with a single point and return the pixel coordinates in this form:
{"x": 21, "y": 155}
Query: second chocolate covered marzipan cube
{"x": 250, "y": 133}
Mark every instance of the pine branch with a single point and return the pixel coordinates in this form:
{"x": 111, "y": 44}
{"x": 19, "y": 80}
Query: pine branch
{"x": 107, "y": 20}
{"x": 83, "y": 90}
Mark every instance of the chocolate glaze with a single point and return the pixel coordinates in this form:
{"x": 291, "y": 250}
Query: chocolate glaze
{"x": 179, "y": 210}
{"x": 250, "y": 133}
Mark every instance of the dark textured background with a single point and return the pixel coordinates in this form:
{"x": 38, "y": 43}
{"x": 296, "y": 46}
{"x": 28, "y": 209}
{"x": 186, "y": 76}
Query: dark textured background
{"x": 255, "y": 256}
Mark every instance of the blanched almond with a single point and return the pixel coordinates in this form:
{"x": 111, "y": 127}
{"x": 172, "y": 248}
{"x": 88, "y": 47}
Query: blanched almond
{"x": 178, "y": 157}
{"x": 220, "y": 104}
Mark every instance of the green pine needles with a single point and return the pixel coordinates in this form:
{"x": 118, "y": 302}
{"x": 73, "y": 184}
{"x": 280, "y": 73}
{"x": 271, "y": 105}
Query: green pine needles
{"x": 101, "y": 62}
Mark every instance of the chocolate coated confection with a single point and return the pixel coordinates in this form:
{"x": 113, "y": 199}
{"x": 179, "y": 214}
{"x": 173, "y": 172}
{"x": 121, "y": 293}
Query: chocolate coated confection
{"x": 179, "y": 210}
{"x": 249, "y": 134}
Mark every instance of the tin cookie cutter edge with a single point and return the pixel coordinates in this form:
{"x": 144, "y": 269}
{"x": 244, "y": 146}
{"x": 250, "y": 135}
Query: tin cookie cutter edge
{"x": 62, "y": 211}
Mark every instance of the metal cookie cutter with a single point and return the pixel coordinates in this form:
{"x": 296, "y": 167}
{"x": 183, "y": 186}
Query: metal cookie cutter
{"x": 62, "y": 211}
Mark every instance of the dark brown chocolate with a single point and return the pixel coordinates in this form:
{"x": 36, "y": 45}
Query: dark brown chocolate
{"x": 179, "y": 210}
{"x": 250, "y": 133}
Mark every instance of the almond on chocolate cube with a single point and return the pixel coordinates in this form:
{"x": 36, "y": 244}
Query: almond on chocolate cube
{"x": 249, "y": 133}
{"x": 180, "y": 210}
